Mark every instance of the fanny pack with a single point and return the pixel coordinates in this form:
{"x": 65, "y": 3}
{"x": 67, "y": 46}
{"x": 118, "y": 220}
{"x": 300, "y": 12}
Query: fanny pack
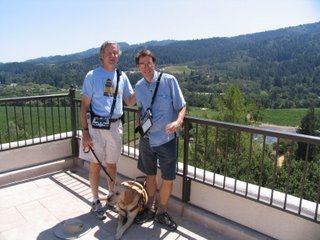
{"x": 100, "y": 122}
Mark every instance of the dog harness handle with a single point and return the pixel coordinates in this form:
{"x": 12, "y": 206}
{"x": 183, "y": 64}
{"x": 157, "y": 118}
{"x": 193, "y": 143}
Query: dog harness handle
{"x": 140, "y": 189}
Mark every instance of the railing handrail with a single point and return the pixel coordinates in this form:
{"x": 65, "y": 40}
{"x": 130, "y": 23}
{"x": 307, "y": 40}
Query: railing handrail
{"x": 34, "y": 97}
{"x": 256, "y": 130}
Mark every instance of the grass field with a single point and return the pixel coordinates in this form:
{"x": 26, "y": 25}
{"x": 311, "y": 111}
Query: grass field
{"x": 284, "y": 117}
{"x": 178, "y": 69}
{"x": 30, "y": 122}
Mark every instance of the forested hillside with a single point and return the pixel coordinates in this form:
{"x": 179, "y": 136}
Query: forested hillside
{"x": 275, "y": 69}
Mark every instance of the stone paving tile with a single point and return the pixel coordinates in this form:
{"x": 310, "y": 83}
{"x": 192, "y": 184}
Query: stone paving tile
{"x": 13, "y": 189}
{"x": 37, "y": 214}
{"x": 13, "y": 195}
{"x": 28, "y": 231}
{"x": 10, "y": 218}
{"x": 64, "y": 206}
{"x": 37, "y": 207}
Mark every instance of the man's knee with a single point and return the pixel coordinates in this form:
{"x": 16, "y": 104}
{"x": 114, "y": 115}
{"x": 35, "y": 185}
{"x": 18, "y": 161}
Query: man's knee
{"x": 167, "y": 183}
{"x": 112, "y": 167}
{"x": 94, "y": 168}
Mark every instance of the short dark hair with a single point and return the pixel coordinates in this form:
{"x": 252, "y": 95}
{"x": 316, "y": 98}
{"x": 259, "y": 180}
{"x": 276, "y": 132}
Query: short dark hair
{"x": 144, "y": 53}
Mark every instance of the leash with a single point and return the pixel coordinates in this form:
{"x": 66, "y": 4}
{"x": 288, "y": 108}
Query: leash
{"x": 86, "y": 150}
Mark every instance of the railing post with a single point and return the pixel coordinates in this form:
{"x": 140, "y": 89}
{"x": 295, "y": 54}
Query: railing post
{"x": 186, "y": 184}
{"x": 72, "y": 95}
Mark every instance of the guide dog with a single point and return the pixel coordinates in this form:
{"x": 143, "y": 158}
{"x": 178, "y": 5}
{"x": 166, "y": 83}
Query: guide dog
{"x": 130, "y": 198}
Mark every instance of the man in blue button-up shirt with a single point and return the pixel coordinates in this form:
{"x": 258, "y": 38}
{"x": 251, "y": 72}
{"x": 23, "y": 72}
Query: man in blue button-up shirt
{"x": 159, "y": 144}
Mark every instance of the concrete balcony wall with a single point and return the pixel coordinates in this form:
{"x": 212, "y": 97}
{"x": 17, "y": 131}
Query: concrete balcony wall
{"x": 20, "y": 163}
{"x": 262, "y": 218}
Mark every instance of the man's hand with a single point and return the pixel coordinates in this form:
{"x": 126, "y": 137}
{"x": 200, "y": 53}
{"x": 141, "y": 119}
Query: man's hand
{"x": 86, "y": 140}
{"x": 173, "y": 126}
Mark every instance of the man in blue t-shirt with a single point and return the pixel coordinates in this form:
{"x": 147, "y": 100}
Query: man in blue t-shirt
{"x": 102, "y": 96}
{"x": 160, "y": 118}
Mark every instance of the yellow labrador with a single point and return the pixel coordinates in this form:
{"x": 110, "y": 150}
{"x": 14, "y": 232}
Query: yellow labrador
{"x": 130, "y": 198}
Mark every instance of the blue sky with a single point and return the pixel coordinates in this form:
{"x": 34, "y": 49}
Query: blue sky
{"x": 36, "y": 28}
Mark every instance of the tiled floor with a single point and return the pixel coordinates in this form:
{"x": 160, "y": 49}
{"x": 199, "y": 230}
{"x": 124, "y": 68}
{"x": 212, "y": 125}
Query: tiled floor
{"x": 31, "y": 210}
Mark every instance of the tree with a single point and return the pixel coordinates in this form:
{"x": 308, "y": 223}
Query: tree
{"x": 231, "y": 106}
{"x": 310, "y": 125}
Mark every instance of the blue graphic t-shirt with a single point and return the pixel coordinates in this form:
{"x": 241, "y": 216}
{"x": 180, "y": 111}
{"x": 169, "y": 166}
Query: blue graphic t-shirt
{"x": 99, "y": 86}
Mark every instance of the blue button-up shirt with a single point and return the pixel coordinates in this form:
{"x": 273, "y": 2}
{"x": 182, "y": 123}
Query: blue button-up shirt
{"x": 168, "y": 102}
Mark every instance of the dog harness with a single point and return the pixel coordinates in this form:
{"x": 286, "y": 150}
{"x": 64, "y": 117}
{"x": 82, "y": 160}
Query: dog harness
{"x": 142, "y": 192}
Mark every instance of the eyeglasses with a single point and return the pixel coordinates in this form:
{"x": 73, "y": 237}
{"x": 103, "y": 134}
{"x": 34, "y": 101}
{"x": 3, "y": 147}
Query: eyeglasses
{"x": 149, "y": 64}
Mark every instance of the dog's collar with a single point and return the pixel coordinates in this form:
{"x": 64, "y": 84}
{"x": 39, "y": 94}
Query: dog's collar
{"x": 132, "y": 209}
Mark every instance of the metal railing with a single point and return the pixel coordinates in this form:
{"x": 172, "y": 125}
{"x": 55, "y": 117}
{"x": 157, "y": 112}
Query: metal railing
{"x": 26, "y": 121}
{"x": 276, "y": 168}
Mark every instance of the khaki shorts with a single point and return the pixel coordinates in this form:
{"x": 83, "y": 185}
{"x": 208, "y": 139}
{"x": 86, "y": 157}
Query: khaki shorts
{"x": 107, "y": 143}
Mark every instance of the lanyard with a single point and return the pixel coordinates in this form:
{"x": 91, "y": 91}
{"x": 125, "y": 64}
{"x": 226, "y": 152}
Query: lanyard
{"x": 156, "y": 90}
{"x": 115, "y": 94}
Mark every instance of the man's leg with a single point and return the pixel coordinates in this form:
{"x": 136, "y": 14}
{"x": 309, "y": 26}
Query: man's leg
{"x": 112, "y": 170}
{"x": 147, "y": 163}
{"x": 151, "y": 188}
{"x": 147, "y": 214}
{"x": 167, "y": 160}
{"x": 94, "y": 175}
{"x": 165, "y": 193}
{"x": 162, "y": 215}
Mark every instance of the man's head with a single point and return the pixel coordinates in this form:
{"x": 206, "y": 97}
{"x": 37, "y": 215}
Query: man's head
{"x": 109, "y": 54}
{"x": 146, "y": 62}
{"x": 144, "y": 53}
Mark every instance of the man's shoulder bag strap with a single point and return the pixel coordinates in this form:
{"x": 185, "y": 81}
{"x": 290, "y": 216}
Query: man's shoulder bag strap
{"x": 156, "y": 90}
{"x": 115, "y": 93}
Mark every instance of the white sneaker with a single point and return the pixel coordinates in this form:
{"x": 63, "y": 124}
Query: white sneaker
{"x": 97, "y": 210}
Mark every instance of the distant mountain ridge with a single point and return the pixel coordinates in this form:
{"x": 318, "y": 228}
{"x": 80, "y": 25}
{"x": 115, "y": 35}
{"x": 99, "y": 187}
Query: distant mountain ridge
{"x": 64, "y": 58}
{"x": 279, "y": 68}
{"x": 261, "y": 36}
{"x": 94, "y": 51}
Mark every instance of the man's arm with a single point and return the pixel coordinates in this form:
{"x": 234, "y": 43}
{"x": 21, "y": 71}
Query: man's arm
{"x": 131, "y": 100}
{"x": 86, "y": 139}
{"x": 174, "y": 126}
{"x": 85, "y": 105}
{"x": 181, "y": 115}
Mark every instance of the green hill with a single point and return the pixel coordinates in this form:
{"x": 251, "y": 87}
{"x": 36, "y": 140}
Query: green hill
{"x": 274, "y": 69}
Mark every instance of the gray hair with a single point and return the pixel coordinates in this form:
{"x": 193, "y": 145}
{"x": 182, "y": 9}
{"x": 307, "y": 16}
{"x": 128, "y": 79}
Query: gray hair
{"x": 105, "y": 45}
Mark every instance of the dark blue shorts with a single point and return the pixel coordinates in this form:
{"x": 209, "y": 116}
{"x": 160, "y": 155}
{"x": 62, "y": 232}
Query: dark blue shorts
{"x": 166, "y": 154}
